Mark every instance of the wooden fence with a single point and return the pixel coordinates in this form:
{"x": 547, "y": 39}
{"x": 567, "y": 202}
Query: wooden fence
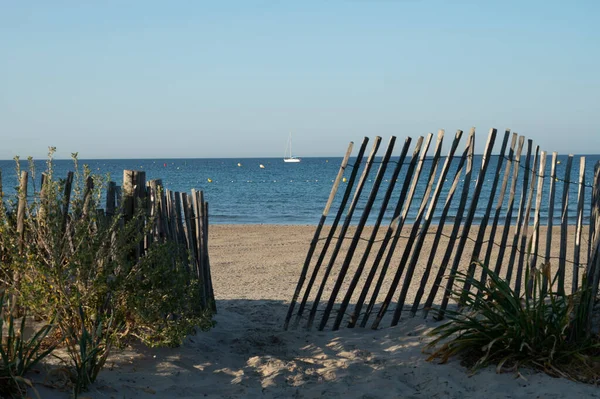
{"x": 176, "y": 217}
{"x": 168, "y": 216}
{"x": 399, "y": 259}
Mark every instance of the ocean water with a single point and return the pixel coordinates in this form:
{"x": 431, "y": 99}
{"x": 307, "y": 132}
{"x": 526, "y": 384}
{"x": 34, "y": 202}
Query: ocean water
{"x": 239, "y": 191}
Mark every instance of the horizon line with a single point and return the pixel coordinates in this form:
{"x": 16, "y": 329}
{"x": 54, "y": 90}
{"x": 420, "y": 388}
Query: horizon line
{"x": 252, "y": 157}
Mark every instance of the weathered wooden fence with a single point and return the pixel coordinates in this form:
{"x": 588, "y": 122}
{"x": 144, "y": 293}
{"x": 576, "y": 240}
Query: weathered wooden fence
{"x": 176, "y": 217}
{"x": 167, "y": 216}
{"x": 398, "y": 259}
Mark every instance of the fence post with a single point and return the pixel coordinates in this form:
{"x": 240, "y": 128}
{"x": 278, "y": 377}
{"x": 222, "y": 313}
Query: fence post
{"x": 21, "y": 209}
{"x": 593, "y": 272}
{"x": 134, "y": 192}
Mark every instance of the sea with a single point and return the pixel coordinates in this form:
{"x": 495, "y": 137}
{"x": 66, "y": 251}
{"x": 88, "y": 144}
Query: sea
{"x": 270, "y": 191}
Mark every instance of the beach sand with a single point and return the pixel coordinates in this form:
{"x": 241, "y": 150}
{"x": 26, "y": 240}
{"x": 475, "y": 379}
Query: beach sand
{"x": 247, "y": 354}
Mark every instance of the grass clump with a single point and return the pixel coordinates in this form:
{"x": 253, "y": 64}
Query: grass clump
{"x": 18, "y": 353}
{"x": 540, "y": 329}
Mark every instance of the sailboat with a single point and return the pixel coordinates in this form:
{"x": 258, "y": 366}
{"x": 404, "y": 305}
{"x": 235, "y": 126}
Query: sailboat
{"x": 288, "y": 157}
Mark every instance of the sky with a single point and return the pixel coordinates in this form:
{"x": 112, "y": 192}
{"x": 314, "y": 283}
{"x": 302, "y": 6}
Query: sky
{"x": 180, "y": 79}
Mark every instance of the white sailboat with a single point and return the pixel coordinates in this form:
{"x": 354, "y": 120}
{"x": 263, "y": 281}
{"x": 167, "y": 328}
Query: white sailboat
{"x": 288, "y": 157}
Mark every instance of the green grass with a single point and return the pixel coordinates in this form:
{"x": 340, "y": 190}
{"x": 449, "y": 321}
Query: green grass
{"x": 541, "y": 330}
{"x": 18, "y": 354}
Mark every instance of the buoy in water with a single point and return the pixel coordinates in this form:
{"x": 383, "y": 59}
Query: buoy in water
{"x": 344, "y": 180}
{"x": 209, "y": 180}
{"x": 262, "y": 166}
{"x": 239, "y": 164}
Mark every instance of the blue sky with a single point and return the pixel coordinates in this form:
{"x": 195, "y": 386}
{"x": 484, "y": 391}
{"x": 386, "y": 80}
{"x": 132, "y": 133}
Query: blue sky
{"x": 125, "y": 79}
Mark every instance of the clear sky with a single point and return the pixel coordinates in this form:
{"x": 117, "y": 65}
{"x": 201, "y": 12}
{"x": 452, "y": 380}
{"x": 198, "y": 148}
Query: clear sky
{"x": 224, "y": 78}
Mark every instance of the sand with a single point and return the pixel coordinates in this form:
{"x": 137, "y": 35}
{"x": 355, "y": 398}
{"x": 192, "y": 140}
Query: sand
{"x": 248, "y": 354}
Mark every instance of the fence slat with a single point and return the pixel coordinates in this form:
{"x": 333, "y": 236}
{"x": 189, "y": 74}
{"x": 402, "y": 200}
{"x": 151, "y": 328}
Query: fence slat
{"x": 579, "y": 228}
{"x": 67, "y": 200}
{"x": 520, "y": 215}
{"x": 110, "y": 196}
{"x": 165, "y": 232}
{"x": 550, "y": 223}
{"x": 564, "y": 225}
{"x": 198, "y": 214}
{"x": 510, "y": 206}
{"x": 592, "y": 226}
{"x": 22, "y": 205}
{"x": 499, "y": 204}
{"x": 525, "y": 224}
{"x": 189, "y": 229}
{"x": 593, "y": 267}
{"x": 181, "y": 225}
{"x": 535, "y": 237}
{"x": 213, "y": 302}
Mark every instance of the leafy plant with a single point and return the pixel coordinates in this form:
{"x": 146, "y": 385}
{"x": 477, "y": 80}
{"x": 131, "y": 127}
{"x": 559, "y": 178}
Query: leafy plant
{"x": 88, "y": 350}
{"x": 541, "y": 329}
{"x": 19, "y": 354}
{"x": 75, "y": 265}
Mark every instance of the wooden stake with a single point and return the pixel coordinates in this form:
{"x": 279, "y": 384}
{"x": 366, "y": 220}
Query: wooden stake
{"x": 578, "y": 232}
{"x": 525, "y": 225}
{"x": 550, "y": 223}
{"x": 564, "y": 225}
{"x": 21, "y": 207}
{"x": 535, "y": 238}
{"x": 510, "y": 206}
{"x": 517, "y": 231}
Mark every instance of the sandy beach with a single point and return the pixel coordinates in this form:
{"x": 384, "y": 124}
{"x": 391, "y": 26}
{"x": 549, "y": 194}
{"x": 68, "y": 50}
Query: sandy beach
{"x": 255, "y": 269}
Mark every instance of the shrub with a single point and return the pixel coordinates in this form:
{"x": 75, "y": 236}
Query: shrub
{"x": 80, "y": 268}
{"x": 542, "y": 330}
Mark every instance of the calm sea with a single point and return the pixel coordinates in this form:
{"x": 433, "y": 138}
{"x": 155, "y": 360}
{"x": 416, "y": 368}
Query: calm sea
{"x": 239, "y": 191}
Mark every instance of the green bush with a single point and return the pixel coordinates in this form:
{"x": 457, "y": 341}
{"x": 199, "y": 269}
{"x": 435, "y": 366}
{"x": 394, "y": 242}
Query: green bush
{"x": 80, "y": 268}
{"x": 541, "y": 330}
